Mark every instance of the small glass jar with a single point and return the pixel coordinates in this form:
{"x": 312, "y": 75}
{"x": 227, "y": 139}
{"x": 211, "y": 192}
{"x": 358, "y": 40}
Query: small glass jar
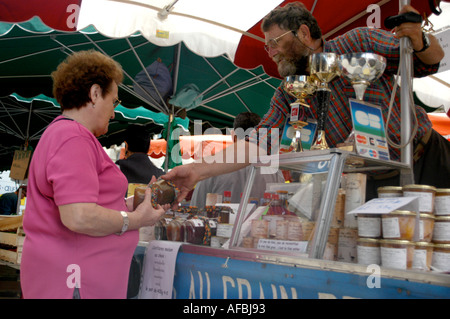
{"x": 163, "y": 192}
{"x": 441, "y": 257}
{"x": 175, "y": 230}
{"x": 398, "y": 254}
{"x": 441, "y": 231}
{"x": 308, "y": 229}
{"x": 275, "y": 207}
{"x": 294, "y": 231}
{"x": 426, "y": 194}
{"x": 390, "y": 191}
{"x": 281, "y": 229}
{"x": 368, "y": 251}
{"x": 194, "y": 231}
{"x": 398, "y": 224}
{"x": 139, "y": 195}
{"x": 247, "y": 242}
{"x": 283, "y": 195}
{"x": 259, "y": 228}
{"x": 224, "y": 215}
{"x": 423, "y": 254}
{"x": 442, "y": 202}
{"x": 160, "y": 230}
{"x": 211, "y": 211}
{"x": 265, "y": 200}
{"x": 226, "y": 197}
{"x": 273, "y": 219}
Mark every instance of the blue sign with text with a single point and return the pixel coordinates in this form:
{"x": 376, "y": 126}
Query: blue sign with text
{"x": 207, "y": 277}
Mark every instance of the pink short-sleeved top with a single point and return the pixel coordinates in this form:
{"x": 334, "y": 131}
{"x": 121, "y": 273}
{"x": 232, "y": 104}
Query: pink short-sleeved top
{"x": 70, "y": 166}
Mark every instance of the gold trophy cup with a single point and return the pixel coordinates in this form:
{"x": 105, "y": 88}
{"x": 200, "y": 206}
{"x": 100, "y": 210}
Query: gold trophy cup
{"x": 300, "y": 87}
{"x": 324, "y": 68}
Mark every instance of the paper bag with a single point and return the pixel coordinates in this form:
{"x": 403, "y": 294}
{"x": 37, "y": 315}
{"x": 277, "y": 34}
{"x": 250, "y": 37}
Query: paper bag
{"x": 20, "y": 164}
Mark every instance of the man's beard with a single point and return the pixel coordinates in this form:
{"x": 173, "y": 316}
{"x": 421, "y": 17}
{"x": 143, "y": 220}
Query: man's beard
{"x": 287, "y": 67}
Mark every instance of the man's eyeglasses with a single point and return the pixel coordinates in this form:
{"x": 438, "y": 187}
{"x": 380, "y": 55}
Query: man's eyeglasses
{"x": 273, "y": 43}
{"x": 116, "y": 102}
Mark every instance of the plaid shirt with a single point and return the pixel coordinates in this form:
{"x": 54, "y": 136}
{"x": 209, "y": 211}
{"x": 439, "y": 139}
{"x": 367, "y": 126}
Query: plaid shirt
{"x": 339, "y": 121}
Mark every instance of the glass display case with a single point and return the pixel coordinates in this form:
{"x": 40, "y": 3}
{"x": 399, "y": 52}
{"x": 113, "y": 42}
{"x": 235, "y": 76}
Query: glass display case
{"x": 301, "y": 218}
{"x": 308, "y": 220}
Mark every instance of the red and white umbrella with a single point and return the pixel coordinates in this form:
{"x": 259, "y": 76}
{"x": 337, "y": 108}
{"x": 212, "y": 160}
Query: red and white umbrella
{"x": 207, "y": 27}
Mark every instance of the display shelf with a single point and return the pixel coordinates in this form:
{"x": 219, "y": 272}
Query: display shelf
{"x": 278, "y": 258}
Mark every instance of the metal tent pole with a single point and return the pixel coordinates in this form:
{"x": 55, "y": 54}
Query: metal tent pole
{"x": 171, "y": 107}
{"x": 406, "y": 174}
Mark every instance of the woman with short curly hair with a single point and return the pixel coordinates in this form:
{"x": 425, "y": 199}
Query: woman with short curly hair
{"x": 80, "y": 232}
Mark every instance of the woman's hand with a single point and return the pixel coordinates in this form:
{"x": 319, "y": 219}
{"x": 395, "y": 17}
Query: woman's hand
{"x": 147, "y": 214}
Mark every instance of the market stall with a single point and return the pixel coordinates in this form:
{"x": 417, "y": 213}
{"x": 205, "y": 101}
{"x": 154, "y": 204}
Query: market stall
{"x": 305, "y": 239}
{"x": 316, "y": 237}
{"x": 315, "y": 249}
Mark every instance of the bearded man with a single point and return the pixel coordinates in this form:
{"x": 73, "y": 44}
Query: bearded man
{"x": 292, "y": 35}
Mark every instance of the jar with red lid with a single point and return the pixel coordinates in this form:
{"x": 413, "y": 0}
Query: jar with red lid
{"x": 278, "y": 205}
{"x": 265, "y": 200}
{"x": 226, "y": 197}
{"x": 275, "y": 207}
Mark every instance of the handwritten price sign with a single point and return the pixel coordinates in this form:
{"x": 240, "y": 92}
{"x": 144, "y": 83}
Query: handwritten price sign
{"x": 159, "y": 270}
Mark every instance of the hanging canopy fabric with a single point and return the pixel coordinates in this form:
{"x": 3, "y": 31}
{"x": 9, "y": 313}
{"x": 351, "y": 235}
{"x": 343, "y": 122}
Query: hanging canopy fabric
{"x": 207, "y": 27}
{"x": 23, "y": 120}
{"x": 31, "y": 51}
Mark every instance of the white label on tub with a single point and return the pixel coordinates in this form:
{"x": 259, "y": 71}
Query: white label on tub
{"x": 368, "y": 255}
{"x": 441, "y": 261}
{"x": 425, "y": 201}
{"x": 442, "y": 205}
{"x": 391, "y": 227}
{"x": 393, "y": 257}
{"x": 369, "y": 226}
{"x": 441, "y": 231}
{"x": 420, "y": 259}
